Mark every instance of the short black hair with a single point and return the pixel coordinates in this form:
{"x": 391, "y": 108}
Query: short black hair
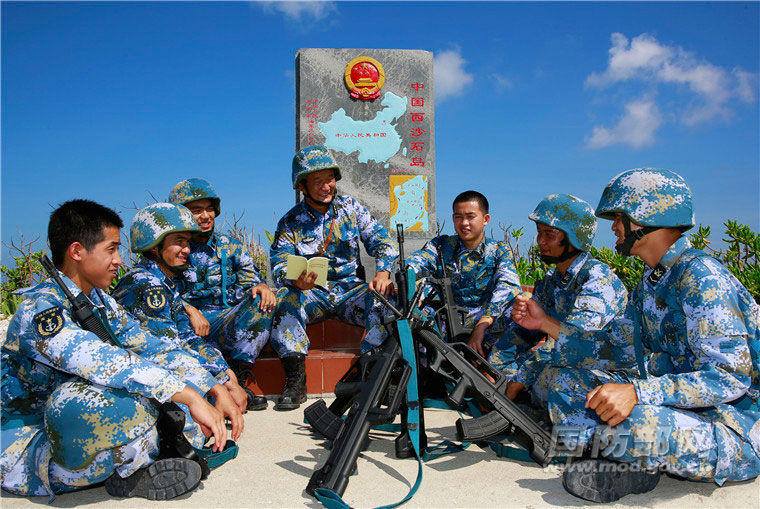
{"x": 472, "y": 196}
{"x": 80, "y": 221}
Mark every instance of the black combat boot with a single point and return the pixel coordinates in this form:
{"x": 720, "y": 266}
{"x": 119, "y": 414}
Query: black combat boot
{"x": 294, "y": 392}
{"x": 163, "y": 480}
{"x": 244, "y": 373}
{"x": 601, "y": 480}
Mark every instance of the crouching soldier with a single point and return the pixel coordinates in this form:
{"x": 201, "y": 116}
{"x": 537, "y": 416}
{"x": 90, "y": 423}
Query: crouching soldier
{"x": 329, "y": 225}
{"x": 694, "y": 410}
{"x": 484, "y": 278}
{"x": 76, "y": 410}
{"x": 229, "y": 304}
{"x": 161, "y": 233}
{"x": 578, "y": 293}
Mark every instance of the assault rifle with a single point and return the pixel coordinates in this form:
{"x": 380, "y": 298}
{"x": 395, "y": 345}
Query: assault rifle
{"x": 171, "y": 418}
{"x": 373, "y": 391}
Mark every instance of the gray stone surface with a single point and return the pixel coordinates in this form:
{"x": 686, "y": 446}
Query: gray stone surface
{"x": 321, "y": 91}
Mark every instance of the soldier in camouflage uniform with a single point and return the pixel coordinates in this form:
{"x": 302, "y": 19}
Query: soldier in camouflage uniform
{"x": 579, "y": 293}
{"x": 484, "y": 278}
{"x": 161, "y": 233}
{"x": 227, "y": 301}
{"x": 694, "y": 410}
{"x": 329, "y": 225}
{"x": 75, "y": 409}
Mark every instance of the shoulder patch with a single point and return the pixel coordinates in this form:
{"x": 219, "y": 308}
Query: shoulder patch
{"x": 155, "y": 298}
{"x": 656, "y": 274}
{"x": 49, "y": 322}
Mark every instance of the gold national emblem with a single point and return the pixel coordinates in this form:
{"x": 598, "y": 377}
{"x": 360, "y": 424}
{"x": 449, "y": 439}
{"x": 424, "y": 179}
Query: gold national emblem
{"x": 155, "y": 298}
{"x": 364, "y": 78}
{"x": 49, "y": 322}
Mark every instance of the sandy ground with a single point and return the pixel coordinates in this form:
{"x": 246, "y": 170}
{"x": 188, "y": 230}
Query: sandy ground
{"x": 278, "y": 455}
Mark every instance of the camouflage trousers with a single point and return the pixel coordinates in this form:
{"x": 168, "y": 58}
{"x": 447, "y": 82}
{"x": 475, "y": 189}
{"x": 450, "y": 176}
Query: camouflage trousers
{"x": 510, "y": 350}
{"x": 89, "y": 432}
{"x": 678, "y": 441}
{"x": 349, "y": 302}
{"x": 239, "y": 332}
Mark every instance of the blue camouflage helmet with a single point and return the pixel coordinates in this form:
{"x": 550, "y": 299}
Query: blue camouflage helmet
{"x": 649, "y": 197}
{"x": 311, "y": 159}
{"x": 571, "y": 215}
{"x": 154, "y": 222}
{"x": 194, "y": 189}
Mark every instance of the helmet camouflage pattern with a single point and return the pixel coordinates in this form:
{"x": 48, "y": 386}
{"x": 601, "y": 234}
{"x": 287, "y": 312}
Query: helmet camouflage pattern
{"x": 571, "y": 215}
{"x": 650, "y": 197}
{"x": 195, "y": 189}
{"x": 154, "y": 222}
{"x": 311, "y": 159}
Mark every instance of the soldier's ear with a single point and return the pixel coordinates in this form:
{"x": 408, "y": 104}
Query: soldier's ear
{"x": 75, "y": 251}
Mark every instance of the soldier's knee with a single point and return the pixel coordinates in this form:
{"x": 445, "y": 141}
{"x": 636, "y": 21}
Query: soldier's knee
{"x": 83, "y": 419}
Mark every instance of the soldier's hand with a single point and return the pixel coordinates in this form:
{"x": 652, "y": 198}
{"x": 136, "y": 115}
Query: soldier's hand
{"x": 209, "y": 418}
{"x": 228, "y": 408}
{"x": 513, "y": 389}
{"x": 198, "y": 321}
{"x": 612, "y": 402}
{"x": 238, "y": 395}
{"x": 527, "y": 313}
{"x": 478, "y": 333}
{"x": 306, "y": 282}
{"x": 382, "y": 283}
{"x": 268, "y": 298}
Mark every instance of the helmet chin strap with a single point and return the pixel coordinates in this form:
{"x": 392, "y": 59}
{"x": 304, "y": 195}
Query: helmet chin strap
{"x": 309, "y": 196}
{"x": 566, "y": 254}
{"x": 631, "y": 236}
{"x": 176, "y": 269}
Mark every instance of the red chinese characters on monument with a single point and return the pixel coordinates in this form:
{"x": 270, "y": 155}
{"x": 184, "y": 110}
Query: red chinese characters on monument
{"x": 364, "y": 78}
{"x": 416, "y": 115}
{"x": 311, "y": 111}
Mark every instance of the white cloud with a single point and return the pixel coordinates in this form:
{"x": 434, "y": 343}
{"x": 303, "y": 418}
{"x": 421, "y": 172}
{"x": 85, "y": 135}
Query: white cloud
{"x": 636, "y": 128}
{"x": 450, "y": 77}
{"x": 501, "y": 82}
{"x": 296, "y": 11}
{"x": 706, "y": 91}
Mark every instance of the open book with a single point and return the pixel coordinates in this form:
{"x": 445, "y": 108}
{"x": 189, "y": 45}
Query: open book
{"x": 298, "y": 264}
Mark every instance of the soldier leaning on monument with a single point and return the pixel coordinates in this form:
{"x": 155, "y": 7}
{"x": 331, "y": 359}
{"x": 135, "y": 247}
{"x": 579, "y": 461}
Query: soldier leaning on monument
{"x": 226, "y": 299}
{"x": 76, "y": 411}
{"x": 330, "y": 225}
{"x": 484, "y": 278}
{"x": 160, "y": 234}
{"x": 694, "y": 410}
{"x": 579, "y": 291}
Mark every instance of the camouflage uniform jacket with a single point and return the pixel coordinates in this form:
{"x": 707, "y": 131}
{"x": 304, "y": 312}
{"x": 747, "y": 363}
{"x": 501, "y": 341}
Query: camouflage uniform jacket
{"x": 152, "y": 297}
{"x": 204, "y": 285}
{"x": 587, "y": 296}
{"x": 45, "y": 348}
{"x": 484, "y": 277}
{"x": 701, "y": 327}
{"x": 303, "y": 230}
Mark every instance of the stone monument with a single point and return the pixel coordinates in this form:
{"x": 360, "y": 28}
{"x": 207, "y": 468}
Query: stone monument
{"x": 373, "y": 108}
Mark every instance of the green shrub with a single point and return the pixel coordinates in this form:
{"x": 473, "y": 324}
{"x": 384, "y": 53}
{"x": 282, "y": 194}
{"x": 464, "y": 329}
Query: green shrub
{"x": 741, "y": 257}
{"x": 27, "y": 271}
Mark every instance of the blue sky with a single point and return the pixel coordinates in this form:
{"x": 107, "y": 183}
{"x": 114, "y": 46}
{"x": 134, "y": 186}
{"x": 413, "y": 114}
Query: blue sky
{"x": 114, "y": 101}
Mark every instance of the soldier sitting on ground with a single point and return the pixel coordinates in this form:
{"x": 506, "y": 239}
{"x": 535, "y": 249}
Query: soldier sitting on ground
{"x": 484, "y": 278}
{"x": 330, "y": 225}
{"x": 693, "y": 412}
{"x": 579, "y": 291}
{"x": 228, "y": 303}
{"x": 76, "y": 410}
{"x": 161, "y": 234}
